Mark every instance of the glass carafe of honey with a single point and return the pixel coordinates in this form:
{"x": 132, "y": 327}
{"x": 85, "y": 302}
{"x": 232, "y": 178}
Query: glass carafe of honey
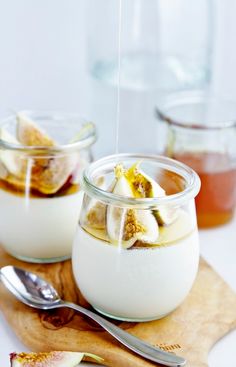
{"x": 200, "y": 131}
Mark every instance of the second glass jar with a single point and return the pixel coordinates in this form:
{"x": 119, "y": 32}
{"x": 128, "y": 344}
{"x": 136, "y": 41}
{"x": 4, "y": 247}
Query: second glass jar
{"x": 200, "y": 131}
{"x": 42, "y": 156}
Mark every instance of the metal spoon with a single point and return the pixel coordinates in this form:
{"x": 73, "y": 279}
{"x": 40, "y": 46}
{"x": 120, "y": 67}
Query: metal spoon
{"x": 36, "y": 292}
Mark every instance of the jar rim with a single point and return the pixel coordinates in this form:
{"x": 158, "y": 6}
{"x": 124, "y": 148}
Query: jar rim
{"x": 80, "y": 142}
{"x": 190, "y": 191}
{"x": 190, "y": 98}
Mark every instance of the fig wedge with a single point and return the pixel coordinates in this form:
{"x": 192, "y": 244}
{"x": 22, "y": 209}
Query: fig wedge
{"x": 166, "y": 216}
{"x": 29, "y": 133}
{"x": 126, "y": 226}
{"x": 52, "y": 359}
{"x": 9, "y": 159}
{"x": 96, "y": 212}
{"x": 48, "y": 174}
{"x": 142, "y": 185}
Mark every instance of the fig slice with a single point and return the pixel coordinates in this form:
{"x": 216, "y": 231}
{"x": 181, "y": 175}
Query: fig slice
{"x": 30, "y": 134}
{"x": 126, "y": 226}
{"x": 144, "y": 186}
{"x": 96, "y": 215}
{"x": 3, "y": 171}
{"x": 52, "y": 359}
{"x": 96, "y": 210}
{"x": 48, "y": 174}
{"x": 9, "y": 159}
{"x": 166, "y": 215}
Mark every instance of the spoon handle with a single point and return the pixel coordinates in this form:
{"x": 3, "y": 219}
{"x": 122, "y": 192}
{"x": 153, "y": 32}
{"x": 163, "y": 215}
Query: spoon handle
{"x": 137, "y": 345}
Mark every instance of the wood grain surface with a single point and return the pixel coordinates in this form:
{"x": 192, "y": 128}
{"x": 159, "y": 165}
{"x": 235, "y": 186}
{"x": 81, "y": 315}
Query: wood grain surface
{"x": 207, "y": 314}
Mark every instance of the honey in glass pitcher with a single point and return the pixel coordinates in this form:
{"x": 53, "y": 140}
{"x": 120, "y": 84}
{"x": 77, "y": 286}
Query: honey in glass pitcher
{"x": 216, "y": 200}
{"x": 201, "y": 132}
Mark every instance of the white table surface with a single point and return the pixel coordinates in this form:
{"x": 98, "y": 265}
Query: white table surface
{"x": 218, "y": 247}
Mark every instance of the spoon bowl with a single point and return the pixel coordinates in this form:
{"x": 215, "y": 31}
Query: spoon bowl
{"x": 29, "y": 288}
{"x": 34, "y": 291}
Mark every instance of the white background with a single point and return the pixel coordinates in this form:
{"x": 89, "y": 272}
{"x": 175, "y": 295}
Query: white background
{"x": 42, "y": 66}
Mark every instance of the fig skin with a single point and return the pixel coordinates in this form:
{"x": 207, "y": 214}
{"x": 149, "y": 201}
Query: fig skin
{"x": 52, "y": 359}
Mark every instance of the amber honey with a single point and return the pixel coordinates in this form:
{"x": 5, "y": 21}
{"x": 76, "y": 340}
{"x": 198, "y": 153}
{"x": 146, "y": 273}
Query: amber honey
{"x": 67, "y": 189}
{"x": 216, "y": 200}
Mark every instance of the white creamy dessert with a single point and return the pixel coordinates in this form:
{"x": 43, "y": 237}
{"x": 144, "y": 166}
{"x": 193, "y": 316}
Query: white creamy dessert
{"x": 43, "y": 228}
{"x": 40, "y": 197}
{"x": 140, "y": 284}
{"x": 135, "y": 264}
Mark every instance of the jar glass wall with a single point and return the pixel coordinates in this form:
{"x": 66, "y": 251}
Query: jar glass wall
{"x": 42, "y": 155}
{"x": 200, "y": 130}
{"x": 136, "y": 258}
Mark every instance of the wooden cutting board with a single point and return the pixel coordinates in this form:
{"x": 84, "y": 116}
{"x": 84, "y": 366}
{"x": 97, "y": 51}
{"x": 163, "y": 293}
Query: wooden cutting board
{"x": 207, "y": 314}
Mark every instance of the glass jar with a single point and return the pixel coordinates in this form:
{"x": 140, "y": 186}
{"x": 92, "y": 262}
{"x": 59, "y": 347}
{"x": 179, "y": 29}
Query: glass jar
{"x": 165, "y": 46}
{"x": 200, "y": 130}
{"x": 42, "y": 155}
{"x": 155, "y": 36}
{"x": 137, "y": 278}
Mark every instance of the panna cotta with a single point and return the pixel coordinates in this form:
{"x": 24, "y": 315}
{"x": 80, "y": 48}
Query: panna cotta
{"x": 39, "y": 228}
{"x": 136, "y": 262}
{"x": 39, "y": 192}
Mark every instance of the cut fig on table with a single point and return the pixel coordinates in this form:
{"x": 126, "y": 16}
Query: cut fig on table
{"x": 52, "y": 359}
